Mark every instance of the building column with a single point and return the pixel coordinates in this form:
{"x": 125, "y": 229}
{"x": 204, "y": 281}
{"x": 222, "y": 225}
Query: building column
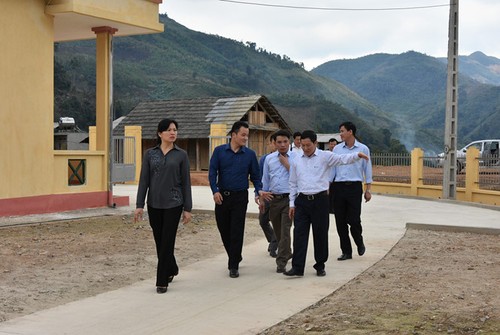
{"x": 104, "y": 99}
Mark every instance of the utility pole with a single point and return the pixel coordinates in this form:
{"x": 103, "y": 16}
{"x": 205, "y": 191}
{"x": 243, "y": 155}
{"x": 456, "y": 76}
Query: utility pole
{"x": 450, "y": 126}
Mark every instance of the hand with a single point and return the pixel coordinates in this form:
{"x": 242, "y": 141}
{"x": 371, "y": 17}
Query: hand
{"x": 218, "y": 198}
{"x": 138, "y": 214}
{"x": 257, "y": 200}
{"x": 368, "y": 195}
{"x": 186, "y": 217}
{"x": 291, "y": 213}
{"x": 266, "y": 196}
{"x": 363, "y": 156}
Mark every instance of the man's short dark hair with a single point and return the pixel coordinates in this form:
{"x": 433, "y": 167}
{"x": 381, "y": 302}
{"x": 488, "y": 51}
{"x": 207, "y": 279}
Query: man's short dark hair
{"x": 237, "y": 125}
{"x": 282, "y": 132}
{"x": 349, "y": 126}
{"x": 297, "y": 133}
{"x": 333, "y": 140}
{"x": 310, "y": 134}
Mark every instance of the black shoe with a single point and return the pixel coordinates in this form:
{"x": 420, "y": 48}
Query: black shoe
{"x": 280, "y": 270}
{"x": 320, "y": 273}
{"x": 293, "y": 272}
{"x": 361, "y": 250}
{"x": 160, "y": 289}
{"x": 273, "y": 253}
{"x": 343, "y": 257}
{"x": 169, "y": 279}
{"x": 233, "y": 273}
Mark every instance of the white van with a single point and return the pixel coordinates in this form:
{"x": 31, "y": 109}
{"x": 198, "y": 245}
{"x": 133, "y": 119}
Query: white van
{"x": 487, "y": 148}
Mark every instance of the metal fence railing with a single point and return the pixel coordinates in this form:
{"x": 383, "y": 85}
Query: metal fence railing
{"x": 396, "y": 168}
{"x": 391, "y": 167}
{"x": 489, "y": 172}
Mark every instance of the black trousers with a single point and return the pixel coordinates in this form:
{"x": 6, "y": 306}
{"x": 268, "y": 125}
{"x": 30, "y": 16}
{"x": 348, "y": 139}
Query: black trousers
{"x": 230, "y": 217}
{"x": 310, "y": 213}
{"x": 347, "y": 198}
{"x": 164, "y": 223}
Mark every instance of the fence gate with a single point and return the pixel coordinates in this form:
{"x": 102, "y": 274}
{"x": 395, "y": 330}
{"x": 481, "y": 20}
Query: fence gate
{"x": 123, "y": 159}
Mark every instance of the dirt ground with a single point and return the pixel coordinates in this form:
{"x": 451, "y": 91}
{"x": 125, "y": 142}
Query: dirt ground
{"x": 430, "y": 282}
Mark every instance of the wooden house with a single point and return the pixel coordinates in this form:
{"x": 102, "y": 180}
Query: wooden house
{"x": 205, "y": 123}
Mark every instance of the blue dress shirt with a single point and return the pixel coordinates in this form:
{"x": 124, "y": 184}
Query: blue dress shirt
{"x": 359, "y": 171}
{"x": 275, "y": 175}
{"x": 229, "y": 170}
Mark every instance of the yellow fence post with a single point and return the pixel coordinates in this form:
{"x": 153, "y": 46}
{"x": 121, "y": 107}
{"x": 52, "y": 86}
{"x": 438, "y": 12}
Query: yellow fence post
{"x": 92, "y": 138}
{"x": 136, "y": 132}
{"x": 471, "y": 173}
{"x": 417, "y": 170}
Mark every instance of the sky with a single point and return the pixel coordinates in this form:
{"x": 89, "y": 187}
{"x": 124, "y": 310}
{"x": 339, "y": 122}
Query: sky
{"x": 343, "y": 29}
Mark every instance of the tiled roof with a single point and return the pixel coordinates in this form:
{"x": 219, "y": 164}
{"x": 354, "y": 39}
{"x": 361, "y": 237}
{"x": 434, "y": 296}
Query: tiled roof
{"x": 194, "y": 116}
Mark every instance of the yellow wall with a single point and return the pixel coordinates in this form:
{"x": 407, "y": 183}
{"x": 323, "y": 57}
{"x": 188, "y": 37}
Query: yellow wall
{"x": 94, "y": 171}
{"x": 26, "y": 99}
{"x": 28, "y": 28}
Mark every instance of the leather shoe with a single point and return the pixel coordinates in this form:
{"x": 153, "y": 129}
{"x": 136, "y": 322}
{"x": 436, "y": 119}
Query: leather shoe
{"x": 320, "y": 273}
{"x": 361, "y": 250}
{"x": 343, "y": 257}
{"x": 160, "y": 289}
{"x": 273, "y": 253}
{"x": 293, "y": 272}
{"x": 233, "y": 273}
{"x": 280, "y": 270}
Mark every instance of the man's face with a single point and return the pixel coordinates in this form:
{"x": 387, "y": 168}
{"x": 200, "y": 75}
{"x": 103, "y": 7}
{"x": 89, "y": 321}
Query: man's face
{"x": 308, "y": 146}
{"x": 296, "y": 141}
{"x": 241, "y": 137}
{"x": 271, "y": 146}
{"x": 345, "y": 134}
{"x": 282, "y": 144}
{"x": 331, "y": 145}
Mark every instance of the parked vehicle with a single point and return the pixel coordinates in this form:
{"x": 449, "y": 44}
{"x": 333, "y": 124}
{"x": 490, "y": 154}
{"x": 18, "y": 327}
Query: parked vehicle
{"x": 487, "y": 148}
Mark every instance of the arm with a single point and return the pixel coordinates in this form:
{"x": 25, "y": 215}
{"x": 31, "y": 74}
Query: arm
{"x": 255, "y": 174}
{"x": 212, "y": 176}
{"x": 368, "y": 176}
{"x": 265, "y": 194}
{"x": 186, "y": 189}
{"x": 142, "y": 189}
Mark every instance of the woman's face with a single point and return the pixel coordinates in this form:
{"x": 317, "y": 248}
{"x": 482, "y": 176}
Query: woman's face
{"x": 169, "y": 135}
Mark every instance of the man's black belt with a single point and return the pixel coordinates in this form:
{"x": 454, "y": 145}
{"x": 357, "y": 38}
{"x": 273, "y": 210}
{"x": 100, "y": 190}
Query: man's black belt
{"x": 347, "y": 182}
{"x": 281, "y": 196}
{"x": 229, "y": 193}
{"x": 313, "y": 196}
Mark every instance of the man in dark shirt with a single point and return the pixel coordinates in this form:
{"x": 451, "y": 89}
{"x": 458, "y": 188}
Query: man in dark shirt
{"x": 230, "y": 166}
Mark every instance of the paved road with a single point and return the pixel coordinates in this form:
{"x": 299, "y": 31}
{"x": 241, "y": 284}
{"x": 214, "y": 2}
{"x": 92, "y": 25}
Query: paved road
{"x": 204, "y": 300}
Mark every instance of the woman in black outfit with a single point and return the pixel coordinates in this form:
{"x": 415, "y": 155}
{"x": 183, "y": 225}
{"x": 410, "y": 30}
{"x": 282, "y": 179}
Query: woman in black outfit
{"x": 166, "y": 180}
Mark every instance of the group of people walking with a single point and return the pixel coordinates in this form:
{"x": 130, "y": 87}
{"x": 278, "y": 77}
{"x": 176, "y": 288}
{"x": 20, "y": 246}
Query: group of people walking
{"x": 294, "y": 184}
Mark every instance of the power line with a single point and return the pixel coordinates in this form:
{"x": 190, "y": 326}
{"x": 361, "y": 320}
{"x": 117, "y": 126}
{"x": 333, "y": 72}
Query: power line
{"x": 333, "y": 8}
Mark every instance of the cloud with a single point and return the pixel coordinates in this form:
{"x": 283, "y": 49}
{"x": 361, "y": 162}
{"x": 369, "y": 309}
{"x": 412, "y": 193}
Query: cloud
{"x": 313, "y": 37}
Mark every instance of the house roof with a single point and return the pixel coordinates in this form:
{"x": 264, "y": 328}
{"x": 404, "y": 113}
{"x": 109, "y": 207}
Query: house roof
{"x": 194, "y": 116}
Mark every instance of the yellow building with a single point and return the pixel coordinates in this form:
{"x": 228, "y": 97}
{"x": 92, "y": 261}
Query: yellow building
{"x": 34, "y": 178}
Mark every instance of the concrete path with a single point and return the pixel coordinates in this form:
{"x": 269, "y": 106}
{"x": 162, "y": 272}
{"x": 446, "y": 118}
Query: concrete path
{"x": 204, "y": 300}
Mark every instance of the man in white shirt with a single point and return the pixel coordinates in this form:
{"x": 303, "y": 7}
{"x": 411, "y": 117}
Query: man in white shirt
{"x": 296, "y": 146}
{"x": 309, "y": 182}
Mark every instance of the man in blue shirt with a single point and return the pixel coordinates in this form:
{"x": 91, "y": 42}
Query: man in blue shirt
{"x": 230, "y": 166}
{"x": 347, "y": 189}
{"x": 264, "y": 209}
{"x": 276, "y": 190}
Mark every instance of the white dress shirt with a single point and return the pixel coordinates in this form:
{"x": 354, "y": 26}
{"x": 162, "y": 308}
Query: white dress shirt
{"x": 310, "y": 174}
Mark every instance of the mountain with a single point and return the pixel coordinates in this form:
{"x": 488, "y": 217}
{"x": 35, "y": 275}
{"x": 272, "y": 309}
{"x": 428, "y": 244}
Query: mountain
{"x": 485, "y": 69}
{"x": 411, "y": 87}
{"x": 181, "y": 63}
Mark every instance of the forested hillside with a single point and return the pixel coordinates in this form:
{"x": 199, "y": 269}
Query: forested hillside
{"x": 411, "y": 87}
{"x": 181, "y": 63}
